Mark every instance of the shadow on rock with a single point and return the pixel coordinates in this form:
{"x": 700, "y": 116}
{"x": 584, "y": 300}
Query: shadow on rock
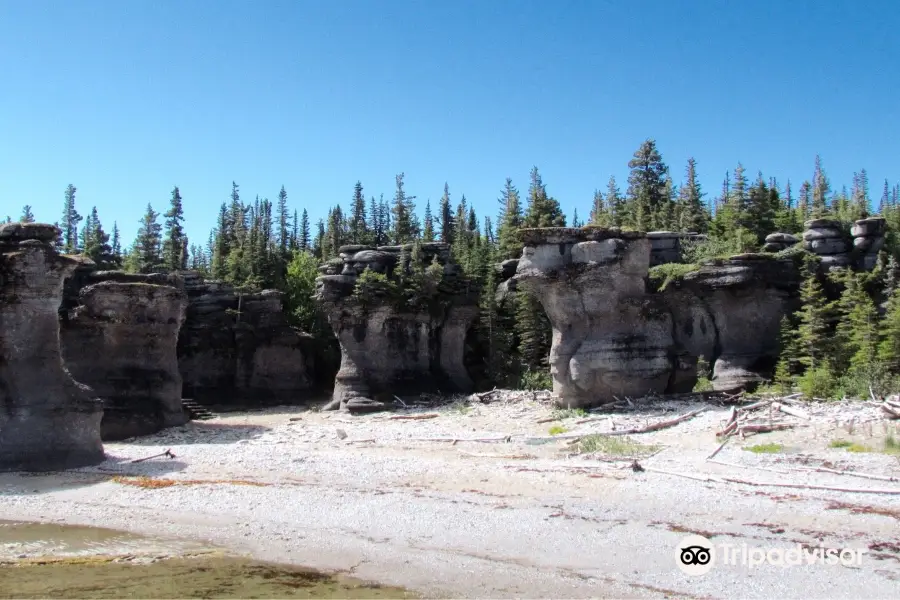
{"x": 199, "y": 432}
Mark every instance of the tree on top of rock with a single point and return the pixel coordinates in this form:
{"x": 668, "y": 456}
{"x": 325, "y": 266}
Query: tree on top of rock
{"x": 692, "y": 214}
{"x": 175, "y": 245}
{"x": 646, "y": 193}
{"x": 96, "y": 243}
{"x": 27, "y": 215}
{"x": 359, "y": 231}
{"x": 403, "y": 212}
{"x": 68, "y": 242}
{"x": 820, "y": 190}
{"x": 145, "y": 252}
{"x": 543, "y": 210}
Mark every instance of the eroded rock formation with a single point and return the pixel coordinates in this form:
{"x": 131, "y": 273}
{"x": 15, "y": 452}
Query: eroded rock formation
{"x": 666, "y": 246}
{"x": 868, "y": 240}
{"x": 612, "y": 337}
{"x": 120, "y": 338}
{"x": 394, "y": 340}
{"x": 238, "y": 348}
{"x": 48, "y": 421}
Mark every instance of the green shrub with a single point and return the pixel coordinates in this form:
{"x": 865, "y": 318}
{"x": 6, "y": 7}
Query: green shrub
{"x": 661, "y": 276}
{"x": 536, "y": 380}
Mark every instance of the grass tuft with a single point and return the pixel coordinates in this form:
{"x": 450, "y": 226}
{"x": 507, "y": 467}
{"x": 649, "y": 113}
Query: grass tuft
{"x": 613, "y": 446}
{"x": 770, "y": 448}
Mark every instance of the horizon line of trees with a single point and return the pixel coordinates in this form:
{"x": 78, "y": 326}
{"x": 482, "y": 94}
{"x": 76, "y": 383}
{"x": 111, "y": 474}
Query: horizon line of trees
{"x": 262, "y": 244}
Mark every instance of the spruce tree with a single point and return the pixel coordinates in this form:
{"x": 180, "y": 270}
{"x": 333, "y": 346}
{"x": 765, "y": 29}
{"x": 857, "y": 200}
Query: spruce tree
{"x": 173, "y": 252}
{"x": 69, "y": 222}
{"x": 646, "y": 186}
{"x": 813, "y": 330}
{"x": 96, "y": 243}
{"x": 146, "y": 250}
{"x": 511, "y": 219}
{"x": 889, "y": 342}
{"x": 615, "y": 204}
{"x": 428, "y": 223}
{"x": 359, "y": 233}
{"x": 820, "y": 191}
{"x": 446, "y": 217}
{"x": 599, "y": 214}
{"x": 304, "y": 242}
{"x": 403, "y": 213}
{"x": 692, "y": 213}
{"x": 543, "y": 210}
{"x": 27, "y": 215}
{"x": 116, "y": 244}
{"x": 283, "y": 216}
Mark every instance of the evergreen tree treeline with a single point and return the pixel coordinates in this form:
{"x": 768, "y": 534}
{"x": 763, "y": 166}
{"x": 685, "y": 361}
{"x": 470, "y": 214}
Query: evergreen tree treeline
{"x": 259, "y": 244}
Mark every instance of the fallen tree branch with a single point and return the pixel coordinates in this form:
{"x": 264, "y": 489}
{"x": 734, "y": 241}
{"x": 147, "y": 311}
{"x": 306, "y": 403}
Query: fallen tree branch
{"x": 796, "y": 412}
{"x": 765, "y": 428}
{"x": 754, "y": 406}
{"x": 891, "y": 410}
{"x": 738, "y": 466}
{"x": 809, "y": 486}
{"x": 506, "y": 456}
{"x": 705, "y": 478}
{"x": 414, "y": 417}
{"x": 658, "y": 426}
{"x": 505, "y": 438}
{"x": 167, "y": 454}
{"x": 844, "y": 472}
{"x": 719, "y": 449}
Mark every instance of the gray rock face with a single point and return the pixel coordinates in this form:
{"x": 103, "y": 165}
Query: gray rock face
{"x": 121, "y": 340}
{"x": 391, "y": 345}
{"x": 666, "y": 246}
{"x": 743, "y": 299}
{"x": 837, "y": 249}
{"x": 776, "y": 242}
{"x": 238, "y": 349}
{"x": 48, "y": 421}
{"x": 868, "y": 240}
{"x": 613, "y": 338}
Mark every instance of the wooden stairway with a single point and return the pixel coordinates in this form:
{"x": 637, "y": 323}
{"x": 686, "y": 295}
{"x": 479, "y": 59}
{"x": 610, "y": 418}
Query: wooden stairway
{"x": 196, "y": 412}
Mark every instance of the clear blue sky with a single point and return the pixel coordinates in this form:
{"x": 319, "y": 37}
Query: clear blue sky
{"x": 126, "y": 99}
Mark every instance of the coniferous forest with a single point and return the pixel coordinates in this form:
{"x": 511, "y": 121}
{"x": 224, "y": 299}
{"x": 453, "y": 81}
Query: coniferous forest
{"x": 844, "y": 341}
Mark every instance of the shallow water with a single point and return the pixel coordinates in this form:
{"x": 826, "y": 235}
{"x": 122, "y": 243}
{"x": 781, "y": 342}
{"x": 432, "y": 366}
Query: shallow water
{"x": 39, "y": 560}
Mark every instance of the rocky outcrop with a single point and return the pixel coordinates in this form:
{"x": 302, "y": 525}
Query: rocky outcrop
{"x": 47, "y": 420}
{"x": 827, "y": 239}
{"x": 403, "y": 332}
{"x": 868, "y": 240}
{"x": 237, "y": 349}
{"x": 666, "y": 246}
{"x": 729, "y": 312}
{"x": 130, "y": 325}
{"x": 612, "y": 337}
{"x": 776, "y": 242}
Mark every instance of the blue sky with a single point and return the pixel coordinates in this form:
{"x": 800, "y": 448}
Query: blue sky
{"x": 127, "y": 99}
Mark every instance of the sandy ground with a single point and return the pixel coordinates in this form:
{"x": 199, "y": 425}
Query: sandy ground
{"x": 519, "y": 516}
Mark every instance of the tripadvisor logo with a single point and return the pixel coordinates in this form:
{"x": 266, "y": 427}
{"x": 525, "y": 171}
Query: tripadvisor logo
{"x": 696, "y": 555}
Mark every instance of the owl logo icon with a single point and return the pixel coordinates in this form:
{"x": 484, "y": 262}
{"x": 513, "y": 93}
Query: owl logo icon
{"x": 695, "y": 555}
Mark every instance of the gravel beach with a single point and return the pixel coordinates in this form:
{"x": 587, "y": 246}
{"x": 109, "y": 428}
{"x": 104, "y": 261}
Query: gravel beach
{"x": 521, "y": 513}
